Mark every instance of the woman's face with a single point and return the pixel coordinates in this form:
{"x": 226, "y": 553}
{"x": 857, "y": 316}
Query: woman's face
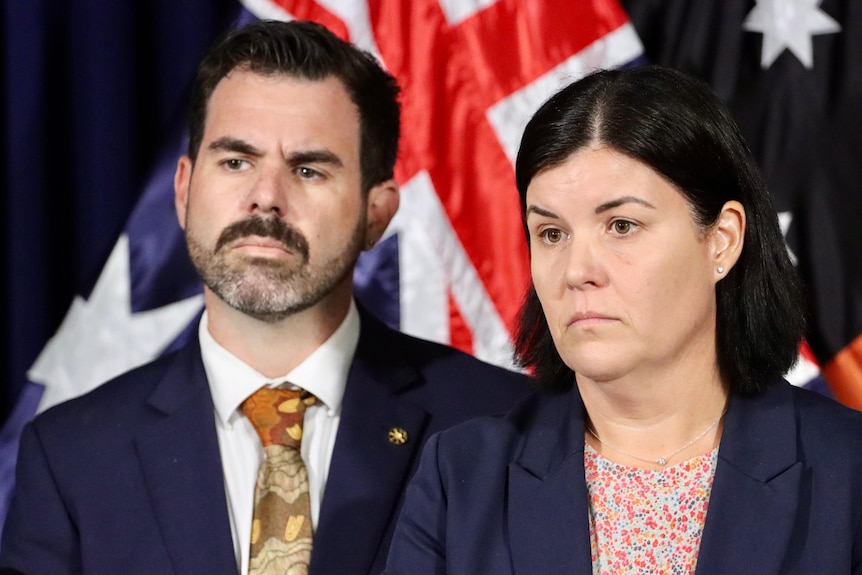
{"x": 625, "y": 277}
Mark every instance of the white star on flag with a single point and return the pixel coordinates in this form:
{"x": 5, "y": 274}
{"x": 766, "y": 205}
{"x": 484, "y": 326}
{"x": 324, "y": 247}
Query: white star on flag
{"x": 102, "y": 338}
{"x": 784, "y": 221}
{"x": 789, "y": 24}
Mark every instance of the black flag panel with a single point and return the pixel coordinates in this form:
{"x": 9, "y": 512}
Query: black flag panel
{"x": 791, "y": 71}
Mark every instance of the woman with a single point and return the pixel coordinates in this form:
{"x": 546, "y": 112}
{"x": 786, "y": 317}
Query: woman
{"x": 663, "y": 313}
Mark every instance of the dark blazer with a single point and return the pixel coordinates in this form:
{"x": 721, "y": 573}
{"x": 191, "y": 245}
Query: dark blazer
{"x": 508, "y": 495}
{"x": 128, "y": 478}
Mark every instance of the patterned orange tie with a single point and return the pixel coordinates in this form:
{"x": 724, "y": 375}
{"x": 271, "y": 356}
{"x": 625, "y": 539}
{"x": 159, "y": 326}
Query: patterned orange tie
{"x": 281, "y": 528}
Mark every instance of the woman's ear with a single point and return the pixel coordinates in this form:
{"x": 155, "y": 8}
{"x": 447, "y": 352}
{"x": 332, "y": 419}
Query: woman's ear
{"x": 727, "y": 237}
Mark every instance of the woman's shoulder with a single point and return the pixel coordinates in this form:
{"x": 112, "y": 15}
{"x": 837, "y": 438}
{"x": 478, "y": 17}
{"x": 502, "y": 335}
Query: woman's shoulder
{"x": 823, "y": 417}
{"x": 828, "y": 435}
{"x": 539, "y": 418}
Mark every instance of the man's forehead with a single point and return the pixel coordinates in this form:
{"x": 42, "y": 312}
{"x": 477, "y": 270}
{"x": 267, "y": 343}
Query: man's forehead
{"x": 284, "y": 94}
{"x": 282, "y": 114}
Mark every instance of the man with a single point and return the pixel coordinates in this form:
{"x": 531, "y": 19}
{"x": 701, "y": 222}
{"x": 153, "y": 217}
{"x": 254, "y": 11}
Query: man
{"x": 293, "y": 139}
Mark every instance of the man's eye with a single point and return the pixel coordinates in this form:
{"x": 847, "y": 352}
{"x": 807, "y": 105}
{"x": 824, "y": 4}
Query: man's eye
{"x": 307, "y": 173}
{"x": 235, "y": 165}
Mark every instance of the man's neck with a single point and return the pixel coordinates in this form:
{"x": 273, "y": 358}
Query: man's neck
{"x": 274, "y": 348}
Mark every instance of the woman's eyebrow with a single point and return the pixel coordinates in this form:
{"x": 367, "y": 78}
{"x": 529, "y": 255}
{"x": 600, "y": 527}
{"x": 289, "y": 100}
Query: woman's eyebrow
{"x": 540, "y": 212}
{"x": 624, "y": 200}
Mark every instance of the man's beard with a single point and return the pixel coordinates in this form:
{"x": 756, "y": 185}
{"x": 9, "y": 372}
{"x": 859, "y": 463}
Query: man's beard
{"x": 268, "y": 289}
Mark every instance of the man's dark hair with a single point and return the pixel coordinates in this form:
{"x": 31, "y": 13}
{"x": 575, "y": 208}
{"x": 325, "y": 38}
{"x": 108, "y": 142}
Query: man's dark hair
{"x": 676, "y": 125}
{"x": 307, "y": 51}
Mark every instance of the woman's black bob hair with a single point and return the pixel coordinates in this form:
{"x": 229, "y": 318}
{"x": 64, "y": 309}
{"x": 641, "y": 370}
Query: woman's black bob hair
{"x": 677, "y": 126}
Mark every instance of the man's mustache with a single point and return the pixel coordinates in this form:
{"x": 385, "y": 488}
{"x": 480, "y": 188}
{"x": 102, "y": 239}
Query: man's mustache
{"x": 274, "y": 228}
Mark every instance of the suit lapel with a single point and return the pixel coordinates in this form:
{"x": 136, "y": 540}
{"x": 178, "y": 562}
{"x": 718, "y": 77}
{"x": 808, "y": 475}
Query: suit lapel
{"x": 368, "y": 471}
{"x": 548, "y": 507}
{"x": 752, "y": 508}
{"x": 180, "y": 460}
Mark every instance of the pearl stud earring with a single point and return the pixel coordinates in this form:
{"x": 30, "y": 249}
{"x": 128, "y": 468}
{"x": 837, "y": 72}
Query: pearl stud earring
{"x": 719, "y": 269}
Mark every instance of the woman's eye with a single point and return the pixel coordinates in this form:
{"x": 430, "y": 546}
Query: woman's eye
{"x": 552, "y": 236}
{"x": 622, "y": 227}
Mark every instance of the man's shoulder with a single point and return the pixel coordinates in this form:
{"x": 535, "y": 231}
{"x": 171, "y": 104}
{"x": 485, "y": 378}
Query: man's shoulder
{"x": 436, "y": 361}
{"x": 392, "y": 345}
{"x": 118, "y": 399}
{"x": 443, "y": 380}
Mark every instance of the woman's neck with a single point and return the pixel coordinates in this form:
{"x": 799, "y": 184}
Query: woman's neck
{"x": 633, "y": 420}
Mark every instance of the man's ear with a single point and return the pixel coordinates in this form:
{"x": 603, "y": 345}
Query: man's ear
{"x": 182, "y": 181}
{"x": 728, "y": 237}
{"x": 383, "y": 200}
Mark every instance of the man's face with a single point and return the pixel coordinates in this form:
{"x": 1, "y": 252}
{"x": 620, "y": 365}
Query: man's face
{"x": 272, "y": 208}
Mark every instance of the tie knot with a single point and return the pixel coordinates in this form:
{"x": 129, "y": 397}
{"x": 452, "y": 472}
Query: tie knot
{"x": 277, "y": 414}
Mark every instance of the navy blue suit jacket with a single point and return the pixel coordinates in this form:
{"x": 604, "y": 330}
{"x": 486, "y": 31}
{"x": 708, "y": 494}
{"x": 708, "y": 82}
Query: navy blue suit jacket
{"x": 128, "y": 478}
{"x": 508, "y": 495}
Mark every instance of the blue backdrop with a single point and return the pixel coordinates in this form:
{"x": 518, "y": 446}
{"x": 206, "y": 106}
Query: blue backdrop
{"x": 90, "y": 90}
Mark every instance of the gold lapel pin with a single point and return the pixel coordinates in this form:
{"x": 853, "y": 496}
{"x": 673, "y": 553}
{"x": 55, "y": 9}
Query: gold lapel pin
{"x": 398, "y": 436}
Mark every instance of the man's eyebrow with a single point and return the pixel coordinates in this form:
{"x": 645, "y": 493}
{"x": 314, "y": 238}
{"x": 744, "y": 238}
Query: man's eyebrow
{"x": 235, "y": 145}
{"x": 314, "y": 157}
{"x": 624, "y": 200}
{"x": 540, "y": 212}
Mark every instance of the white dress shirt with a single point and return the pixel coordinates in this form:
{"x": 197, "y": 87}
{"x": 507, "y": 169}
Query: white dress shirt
{"x": 323, "y": 373}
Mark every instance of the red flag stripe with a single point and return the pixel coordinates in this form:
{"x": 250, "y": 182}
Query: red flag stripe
{"x": 451, "y": 76}
{"x": 513, "y": 43}
{"x": 844, "y": 372}
{"x": 310, "y": 10}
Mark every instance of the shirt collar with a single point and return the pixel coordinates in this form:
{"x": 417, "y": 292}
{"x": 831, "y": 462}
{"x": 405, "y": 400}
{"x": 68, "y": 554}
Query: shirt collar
{"x": 323, "y": 373}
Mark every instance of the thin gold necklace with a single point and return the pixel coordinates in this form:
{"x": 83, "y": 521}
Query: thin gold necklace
{"x": 661, "y": 461}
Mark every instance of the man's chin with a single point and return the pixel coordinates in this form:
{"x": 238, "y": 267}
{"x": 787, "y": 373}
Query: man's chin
{"x": 269, "y": 316}
{"x": 264, "y": 307}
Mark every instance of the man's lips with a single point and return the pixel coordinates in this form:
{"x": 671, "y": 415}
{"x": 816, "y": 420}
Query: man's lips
{"x": 264, "y": 236}
{"x": 262, "y": 243}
